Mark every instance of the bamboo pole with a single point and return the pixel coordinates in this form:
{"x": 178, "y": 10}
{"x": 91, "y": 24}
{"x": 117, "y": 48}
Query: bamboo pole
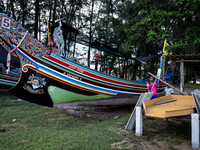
{"x": 168, "y": 84}
{"x": 48, "y": 31}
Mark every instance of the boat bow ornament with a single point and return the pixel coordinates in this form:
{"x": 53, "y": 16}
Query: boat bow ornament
{"x": 59, "y": 40}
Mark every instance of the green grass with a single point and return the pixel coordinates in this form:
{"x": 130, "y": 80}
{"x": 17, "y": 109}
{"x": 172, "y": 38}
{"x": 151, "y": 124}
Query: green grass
{"x": 190, "y": 85}
{"x": 38, "y": 127}
{"x": 7, "y": 96}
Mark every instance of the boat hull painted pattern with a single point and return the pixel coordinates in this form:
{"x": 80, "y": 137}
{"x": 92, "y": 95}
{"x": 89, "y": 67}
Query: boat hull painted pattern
{"x": 8, "y": 80}
{"x": 49, "y": 79}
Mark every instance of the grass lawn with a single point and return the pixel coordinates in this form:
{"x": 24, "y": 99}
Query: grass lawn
{"x": 190, "y": 85}
{"x": 39, "y": 127}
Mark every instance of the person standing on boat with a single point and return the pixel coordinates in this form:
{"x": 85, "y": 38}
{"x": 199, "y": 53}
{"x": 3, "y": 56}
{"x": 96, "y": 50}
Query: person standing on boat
{"x": 152, "y": 87}
{"x": 168, "y": 91}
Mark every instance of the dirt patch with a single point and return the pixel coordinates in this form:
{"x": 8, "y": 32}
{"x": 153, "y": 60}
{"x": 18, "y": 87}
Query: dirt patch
{"x": 107, "y": 113}
{"x": 158, "y": 134}
{"x": 187, "y": 90}
{"x": 162, "y": 134}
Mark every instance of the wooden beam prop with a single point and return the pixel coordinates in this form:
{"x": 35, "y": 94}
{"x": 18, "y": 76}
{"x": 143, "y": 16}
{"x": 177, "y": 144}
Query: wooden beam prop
{"x": 131, "y": 122}
{"x": 195, "y": 61}
{"x": 167, "y": 84}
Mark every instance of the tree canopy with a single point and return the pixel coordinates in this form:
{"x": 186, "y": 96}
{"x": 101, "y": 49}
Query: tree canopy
{"x": 137, "y": 28}
{"x": 178, "y": 21}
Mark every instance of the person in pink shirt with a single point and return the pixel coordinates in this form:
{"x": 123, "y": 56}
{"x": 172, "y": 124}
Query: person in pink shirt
{"x": 152, "y": 87}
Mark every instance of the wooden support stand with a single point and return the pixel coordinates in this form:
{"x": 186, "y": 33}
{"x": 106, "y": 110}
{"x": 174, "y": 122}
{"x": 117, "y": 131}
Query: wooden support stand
{"x": 139, "y": 122}
{"x": 131, "y": 122}
{"x": 195, "y": 121}
{"x": 195, "y": 130}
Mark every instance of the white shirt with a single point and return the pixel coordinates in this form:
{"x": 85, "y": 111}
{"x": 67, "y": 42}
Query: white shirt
{"x": 168, "y": 91}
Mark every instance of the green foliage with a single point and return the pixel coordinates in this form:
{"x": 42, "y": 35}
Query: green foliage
{"x": 190, "y": 85}
{"x": 174, "y": 20}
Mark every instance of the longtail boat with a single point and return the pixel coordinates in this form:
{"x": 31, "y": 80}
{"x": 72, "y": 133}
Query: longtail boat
{"x": 48, "y": 79}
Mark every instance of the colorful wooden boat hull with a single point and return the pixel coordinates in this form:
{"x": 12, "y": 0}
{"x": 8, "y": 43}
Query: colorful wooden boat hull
{"x": 8, "y": 80}
{"x": 49, "y": 79}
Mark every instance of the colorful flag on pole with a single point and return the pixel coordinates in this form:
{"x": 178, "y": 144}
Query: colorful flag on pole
{"x": 166, "y": 52}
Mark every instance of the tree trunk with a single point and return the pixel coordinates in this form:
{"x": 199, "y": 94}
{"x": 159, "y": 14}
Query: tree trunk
{"x": 126, "y": 71}
{"x": 23, "y": 13}
{"x": 50, "y": 11}
{"x": 123, "y": 69}
{"x": 7, "y": 7}
{"x": 119, "y": 68}
{"x": 91, "y": 17}
{"x": 74, "y": 47}
{"x": 135, "y": 66}
{"x": 111, "y": 66}
{"x": 12, "y": 9}
{"x": 54, "y": 14}
{"x": 37, "y": 14}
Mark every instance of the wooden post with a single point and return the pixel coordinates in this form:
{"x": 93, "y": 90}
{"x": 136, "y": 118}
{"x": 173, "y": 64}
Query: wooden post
{"x": 182, "y": 75}
{"x": 138, "y": 125}
{"x": 195, "y": 130}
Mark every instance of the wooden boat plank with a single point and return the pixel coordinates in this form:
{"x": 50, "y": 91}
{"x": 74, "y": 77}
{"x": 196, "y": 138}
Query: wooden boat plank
{"x": 184, "y": 105}
{"x": 167, "y": 101}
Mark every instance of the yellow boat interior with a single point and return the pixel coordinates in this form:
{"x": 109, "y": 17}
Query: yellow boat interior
{"x": 169, "y": 106}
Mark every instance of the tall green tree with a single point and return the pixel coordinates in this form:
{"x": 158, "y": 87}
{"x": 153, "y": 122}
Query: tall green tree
{"x": 178, "y": 21}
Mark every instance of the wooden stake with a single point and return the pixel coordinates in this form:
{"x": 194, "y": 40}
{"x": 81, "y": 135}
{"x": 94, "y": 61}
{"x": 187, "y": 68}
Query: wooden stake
{"x": 168, "y": 84}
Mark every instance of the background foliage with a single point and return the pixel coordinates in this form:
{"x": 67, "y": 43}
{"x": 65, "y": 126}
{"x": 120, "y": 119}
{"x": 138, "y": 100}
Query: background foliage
{"x": 137, "y": 28}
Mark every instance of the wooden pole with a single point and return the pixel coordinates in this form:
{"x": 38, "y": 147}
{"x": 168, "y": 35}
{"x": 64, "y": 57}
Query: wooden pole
{"x": 195, "y": 130}
{"x": 48, "y": 31}
{"x": 168, "y": 84}
{"x": 182, "y": 75}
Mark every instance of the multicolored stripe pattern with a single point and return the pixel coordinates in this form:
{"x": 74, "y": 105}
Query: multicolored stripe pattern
{"x": 8, "y": 80}
{"x": 73, "y": 74}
